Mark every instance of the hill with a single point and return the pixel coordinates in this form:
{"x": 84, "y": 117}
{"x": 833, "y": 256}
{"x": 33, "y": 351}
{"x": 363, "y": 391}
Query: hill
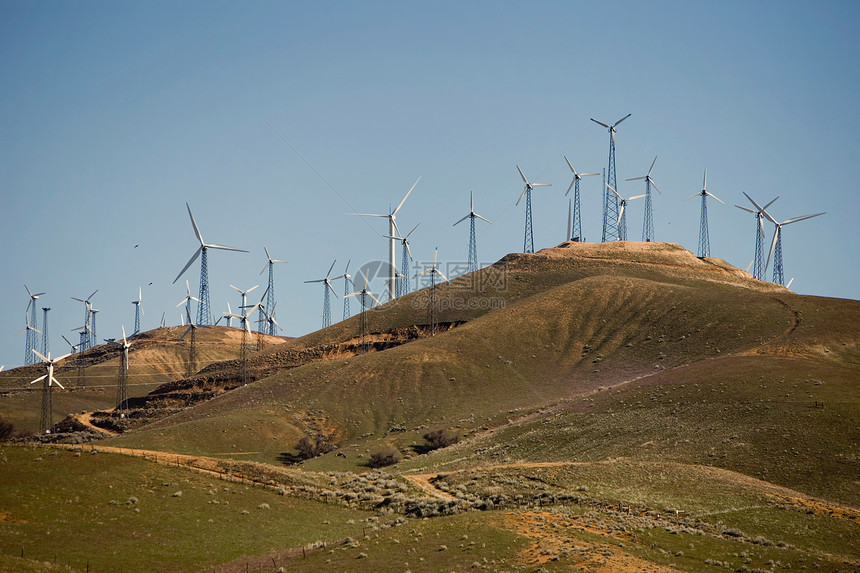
{"x": 620, "y": 406}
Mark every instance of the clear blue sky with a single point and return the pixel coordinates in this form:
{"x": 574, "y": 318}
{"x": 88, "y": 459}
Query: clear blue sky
{"x": 114, "y": 114}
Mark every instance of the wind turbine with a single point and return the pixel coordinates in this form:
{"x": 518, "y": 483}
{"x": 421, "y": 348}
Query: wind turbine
{"x": 347, "y": 279}
{"x": 85, "y": 332}
{"x": 392, "y": 233}
{"x": 137, "y": 310}
{"x": 610, "y": 205}
{"x": 122, "y": 384}
{"x": 405, "y": 257}
{"x": 227, "y": 316}
{"x": 622, "y": 215}
{"x": 528, "y": 240}
{"x": 776, "y": 244}
{"x": 192, "y": 351}
{"x": 433, "y": 271}
{"x": 472, "y": 265}
{"x": 704, "y": 240}
{"x": 326, "y": 288}
{"x": 187, "y": 300}
{"x": 270, "y": 320}
{"x": 244, "y": 294}
{"x": 759, "y": 267}
{"x": 574, "y": 231}
{"x": 45, "y": 421}
{"x": 31, "y": 338}
{"x": 270, "y": 301}
{"x": 203, "y": 315}
{"x": 648, "y": 224}
{"x": 364, "y": 293}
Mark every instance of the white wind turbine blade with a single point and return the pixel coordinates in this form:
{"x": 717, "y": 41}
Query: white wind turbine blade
{"x": 541, "y": 184}
{"x": 461, "y": 220}
{"x": 654, "y": 185}
{"x": 40, "y": 355}
{"x": 804, "y": 217}
{"x": 705, "y": 180}
{"x": 58, "y": 358}
{"x": 635, "y": 197}
{"x": 636, "y": 178}
{"x": 438, "y": 272}
{"x": 771, "y": 203}
{"x": 409, "y": 234}
{"x": 569, "y": 164}
{"x": 617, "y": 123}
{"x": 691, "y": 196}
{"x": 370, "y": 294}
{"x": 789, "y": 282}
{"x": 749, "y": 265}
{"x": 483, "y": 219}
{"x": 569, "y": 213}
{"x": 368, "y": 215}
{"x": 608, "y": 186}
{"x": 330, "y": 268}
{"x": 652, "y": 166}
{"x": 471, "y": 202}
{"x": 189, "y": 263}
{"x": 745, "y": 209}
{"x": 756, "y": 205}
{"x": 39, "y": 379}
{"x": 124, "y": 341}
{"x": 250, "y": 289}
{"x": 569, "y": 187}
{"x": 600, "y": 123}
{"x": 331, "y": 288}
{"x": 224, "y": 248}
{"x": 526, "y": 181}
{"x": 715, "y": 197}
{"x": 194, "y": 225}
{"x": 773, "y": 245}
{"x": 620, "y": 212}
{"x": 523, "y": 194}
{"x": 405, "y": 196}
{"x": 57, "y": 382}
{"x": 435, "y": 254}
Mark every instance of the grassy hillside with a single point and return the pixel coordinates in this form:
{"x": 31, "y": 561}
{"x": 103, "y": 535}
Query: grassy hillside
{"x": 620, "y": 407}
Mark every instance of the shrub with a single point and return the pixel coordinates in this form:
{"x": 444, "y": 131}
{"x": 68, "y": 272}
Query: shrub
{"x": 440, "y": 439}
{"x": 321, "y": 444}
{"x": 383, "y": 459}
{"x": 5, "y": 429}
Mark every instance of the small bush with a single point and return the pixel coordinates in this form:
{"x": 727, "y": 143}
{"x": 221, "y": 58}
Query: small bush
{"x": 383, "y": 459}
{"x": 321, "y": 444}
{"x": 5, "y": 429}
{"x": 440, "y": 439}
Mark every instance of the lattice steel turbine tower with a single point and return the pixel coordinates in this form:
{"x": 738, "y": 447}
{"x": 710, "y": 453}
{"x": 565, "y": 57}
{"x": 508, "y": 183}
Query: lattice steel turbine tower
{"x": 704, "y": 239}
{"x": 528, "y": 239}
{"x": 574, "y": 232}
{"x": 270, "y": 292}
{"x": 610, "y": 206}
{"x": 347, "y": 279}
{"x": 648, "y": 223}
{"x": 32, "y": 327}
{"x": 45, "y": 345}
{"x": 136, "y": 304}
{"x": 759, "y": 266}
